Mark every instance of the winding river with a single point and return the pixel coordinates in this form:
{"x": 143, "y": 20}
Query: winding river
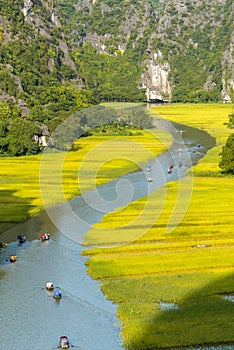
{"x": 30, "y": 317}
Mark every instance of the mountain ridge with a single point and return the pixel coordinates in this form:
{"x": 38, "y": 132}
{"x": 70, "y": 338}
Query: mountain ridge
{"x": 57, "y": 57}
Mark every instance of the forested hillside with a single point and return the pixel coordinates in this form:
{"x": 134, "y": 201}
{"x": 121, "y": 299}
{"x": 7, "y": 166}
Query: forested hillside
{"x": 39, "y": 82}
{"x": 176, "y": 50}
{"x": 57, "y": 57}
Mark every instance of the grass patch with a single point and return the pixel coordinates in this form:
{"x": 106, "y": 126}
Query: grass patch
{"x": 190, "y": 266}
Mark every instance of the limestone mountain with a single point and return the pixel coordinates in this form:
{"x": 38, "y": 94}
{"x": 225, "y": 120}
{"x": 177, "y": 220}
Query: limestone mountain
{"x": 183, "y": 48}
{"x": 58, "y": 54}
{"x": 39, "y": 82}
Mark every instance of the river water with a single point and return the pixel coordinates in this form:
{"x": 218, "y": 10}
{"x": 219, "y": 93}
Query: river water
{"x": 30, "y": 318}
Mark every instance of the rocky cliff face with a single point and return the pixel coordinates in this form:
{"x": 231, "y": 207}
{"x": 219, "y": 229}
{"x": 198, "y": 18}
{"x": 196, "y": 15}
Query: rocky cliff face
{"x": 182, "y": 44}
{"x": 35, "y": 19}
{"x": 28, "y": 27}
{"x": 155, "y": 79}
{"x": 27, "y": 6}
{"x": 201, "y": 31}
{"x": 228, "y": 72}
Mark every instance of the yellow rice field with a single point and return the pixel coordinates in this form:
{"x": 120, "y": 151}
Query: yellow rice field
{"x": 170, "y": 283}
{"x": 61, "y": 176}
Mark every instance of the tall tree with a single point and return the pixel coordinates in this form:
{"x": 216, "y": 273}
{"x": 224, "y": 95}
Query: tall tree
{"x": 227, "y": 156}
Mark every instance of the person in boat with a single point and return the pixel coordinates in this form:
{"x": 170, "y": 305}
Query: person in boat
{"x": 169, "y": 170}
{"x": 64, "y": 342}
{"x": 13, "y": 258}
{"x": 150, "y": 179}
{"x": 45, "y": 236}
{"x": 179, "y": 164}
{"x": 148, "y": 169}
{"x": 21, "y": 238}
{"x": 49, "y": 285}
{"x": 57, "y": 294}
{"x": 171, "y": 166}
{"x": 181, "y": 132}
{"x": 198, "y": 145}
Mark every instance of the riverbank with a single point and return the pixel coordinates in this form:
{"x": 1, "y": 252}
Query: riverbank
{"x": 172, "y": 288}
{"x": 20, "y": 190}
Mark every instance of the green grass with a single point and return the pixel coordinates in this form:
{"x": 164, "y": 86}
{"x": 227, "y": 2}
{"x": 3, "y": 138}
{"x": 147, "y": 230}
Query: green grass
{"x": 28, "y": 183}
{"x": 190, "y": 265}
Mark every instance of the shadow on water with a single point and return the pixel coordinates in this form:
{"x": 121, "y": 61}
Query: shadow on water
{"x": 202, "y": 319}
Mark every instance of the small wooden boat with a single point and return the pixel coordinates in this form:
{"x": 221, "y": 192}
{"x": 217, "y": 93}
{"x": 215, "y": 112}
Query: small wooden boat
{"x": 45, "y": 237}
{"x": 13, "y": 258}
{"x": 49, "y": 286}
{"x": 148, "y": 169}
{"x": 57, "y": 294}
{"x": 21, "y": 239}
{"x": 64, "y": 342}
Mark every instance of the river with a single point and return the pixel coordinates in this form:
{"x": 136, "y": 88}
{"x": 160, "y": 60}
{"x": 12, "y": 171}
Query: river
{"x": 30, "y": 317}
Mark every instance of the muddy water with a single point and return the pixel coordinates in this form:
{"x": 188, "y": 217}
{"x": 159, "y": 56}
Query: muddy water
{"x": 30, "y": 318}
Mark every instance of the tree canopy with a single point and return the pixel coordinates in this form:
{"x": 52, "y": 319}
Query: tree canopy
{"x": 227, "y": 156}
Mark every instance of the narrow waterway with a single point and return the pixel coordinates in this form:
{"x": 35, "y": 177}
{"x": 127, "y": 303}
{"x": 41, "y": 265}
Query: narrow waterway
{"x": 30, "y": 317}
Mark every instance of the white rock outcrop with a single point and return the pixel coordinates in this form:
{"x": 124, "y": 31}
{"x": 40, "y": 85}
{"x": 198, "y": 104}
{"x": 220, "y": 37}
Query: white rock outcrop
{"x": 28, "y": 5}
{"x": 228, "y": 78}
{"x": 156, "y": 78}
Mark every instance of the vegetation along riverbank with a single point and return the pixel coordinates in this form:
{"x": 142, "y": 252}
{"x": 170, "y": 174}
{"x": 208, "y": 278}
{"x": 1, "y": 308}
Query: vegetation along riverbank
{"x": 175, "y": 289}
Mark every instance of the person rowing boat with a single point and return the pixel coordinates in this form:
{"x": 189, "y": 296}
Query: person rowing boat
{"x": 13, "y": 258}
{"x": 21, "y": 239}
{"x": 64, "y": 343}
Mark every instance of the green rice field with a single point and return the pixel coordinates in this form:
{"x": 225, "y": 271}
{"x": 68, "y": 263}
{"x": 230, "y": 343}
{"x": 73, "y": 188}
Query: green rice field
{"x": 174, "y": 287}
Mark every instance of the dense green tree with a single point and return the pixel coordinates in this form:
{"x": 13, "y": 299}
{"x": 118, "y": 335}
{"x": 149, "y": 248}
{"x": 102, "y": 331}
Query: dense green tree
{"x": 20, "y": 138}
{"x": 231, "y": 120}
{"x": 110, "y": 78}
{"x": 227, "y": 156}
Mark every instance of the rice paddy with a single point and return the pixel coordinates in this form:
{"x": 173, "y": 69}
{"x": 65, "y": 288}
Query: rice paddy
{"x": 190, "y": 266}
{"x": 171, "y": 284}
{"x": 29, "y": 183}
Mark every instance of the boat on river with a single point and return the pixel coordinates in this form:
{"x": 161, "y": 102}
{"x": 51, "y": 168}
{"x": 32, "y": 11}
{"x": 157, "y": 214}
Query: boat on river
{"x": 148, "y": 169}
{"x": 64, "y": 342}
{"x": 13, "y": 258}
{"x": 150, "y": 179}
{"x": 57, "y": 294}
{"x": 49, "y": 286}
{"x": 21, "y": 239}
{"x": 45, "y": 237}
